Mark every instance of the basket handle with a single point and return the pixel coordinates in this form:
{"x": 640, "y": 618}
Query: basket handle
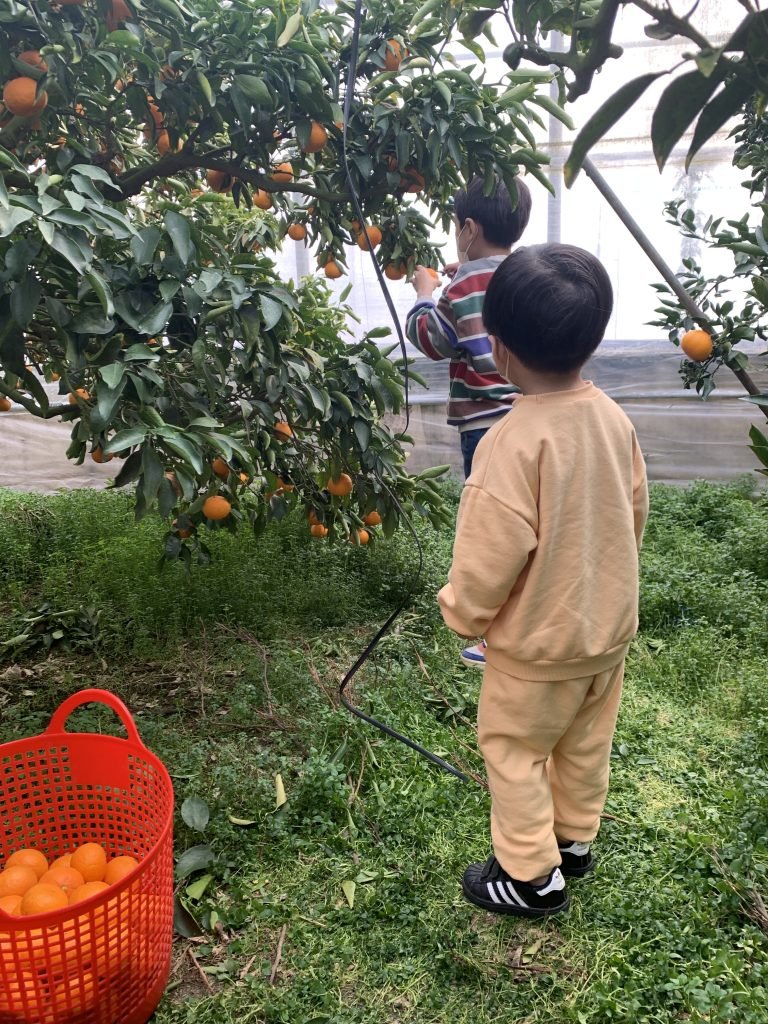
{"x": 62, "y": 713}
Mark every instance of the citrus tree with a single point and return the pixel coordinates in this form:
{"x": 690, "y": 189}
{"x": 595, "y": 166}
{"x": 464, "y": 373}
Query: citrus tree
{"x": 721, "y": 79}
{"x": 152, "y": 155}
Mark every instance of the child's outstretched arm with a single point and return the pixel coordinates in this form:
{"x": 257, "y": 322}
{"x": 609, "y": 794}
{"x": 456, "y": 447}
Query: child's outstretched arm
{"x": 430, "y": 326}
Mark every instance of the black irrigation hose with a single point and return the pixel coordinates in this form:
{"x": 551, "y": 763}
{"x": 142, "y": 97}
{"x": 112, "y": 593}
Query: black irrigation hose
{"x": 371, "y": 646}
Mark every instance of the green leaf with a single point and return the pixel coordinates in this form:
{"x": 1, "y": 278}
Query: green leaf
{"x": 271, "y": 310}
{"x": 25, "y": 298}
{"x": 179, "y": 231}
{"x": 183, "y": 922}
{"x": 103, "y": 291}
{"x": 348, "y": 888}
{"x": 106, "y": 401}
{"x": 254, "y": 89}
{"x": 183, "y": 446}
{"x": 542, "y": 100}
{"x": 126, "y": 439}
{"x": 155, "y": 321}
{"x": 196, "y": 858}
{"x": 112, "y": 374}
{"x": 144, "y": 245}
{"x": 12, "y": 218}
{"x": 195, "y": 813}
{"x": 197, "y": 889}
{"x": 759, "y": 444}
{"x": 122, "y": 39}
{"x": 71, "y": 252}
{"x": 603, "y": 120}
{"x": 722, "y": 108}
{"x": 362, "y": 430}
{"x": 680, "y": 102}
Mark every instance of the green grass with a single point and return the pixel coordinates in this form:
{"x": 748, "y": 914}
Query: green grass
{"x": 232, "y": 674}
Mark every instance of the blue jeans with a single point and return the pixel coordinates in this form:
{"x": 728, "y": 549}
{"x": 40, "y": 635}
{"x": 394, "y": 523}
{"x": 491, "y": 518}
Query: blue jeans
{"x": 469, "y": 441}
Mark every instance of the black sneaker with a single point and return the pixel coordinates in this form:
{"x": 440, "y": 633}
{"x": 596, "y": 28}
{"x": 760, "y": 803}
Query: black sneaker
{"x": 490, "y": 887}
{"x": 577, "y": 858}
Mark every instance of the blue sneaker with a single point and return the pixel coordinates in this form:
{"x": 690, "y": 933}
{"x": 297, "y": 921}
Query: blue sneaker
{"x": 474, "y": 656}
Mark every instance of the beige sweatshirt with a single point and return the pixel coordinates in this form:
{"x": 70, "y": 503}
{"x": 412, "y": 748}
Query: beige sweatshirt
{"x": 545, "y": 560}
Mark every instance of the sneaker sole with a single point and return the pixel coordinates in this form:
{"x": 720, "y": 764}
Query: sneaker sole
{"x": 578, "y": 872}
{"x": 471, "y": 663}
{"x": 511, "y": 909}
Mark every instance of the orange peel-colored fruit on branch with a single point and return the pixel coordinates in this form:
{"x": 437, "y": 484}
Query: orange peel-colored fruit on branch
{"x": 697, "y": 345}
{"x": 216, "y": 508}
{"x": 20, "y": 97}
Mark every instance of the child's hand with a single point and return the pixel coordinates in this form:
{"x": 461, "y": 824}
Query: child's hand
{"x": 450, "y": 269}
{"x": 425, "y": 280}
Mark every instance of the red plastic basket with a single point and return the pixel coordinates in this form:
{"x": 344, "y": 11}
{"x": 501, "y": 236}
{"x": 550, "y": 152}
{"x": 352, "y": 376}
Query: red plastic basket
{"x": 107, "y": 959}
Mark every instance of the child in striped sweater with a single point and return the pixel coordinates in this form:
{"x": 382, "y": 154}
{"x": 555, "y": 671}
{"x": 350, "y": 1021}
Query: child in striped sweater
{"x": 486, "y": 228}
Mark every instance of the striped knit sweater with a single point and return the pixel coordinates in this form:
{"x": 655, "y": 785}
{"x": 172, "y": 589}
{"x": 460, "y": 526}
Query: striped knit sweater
{"x": 453, "y": 329}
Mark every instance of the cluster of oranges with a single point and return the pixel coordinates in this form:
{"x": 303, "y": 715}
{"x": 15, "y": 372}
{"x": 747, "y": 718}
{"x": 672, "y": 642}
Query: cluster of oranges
{"x": 341, "y": 486}
{"x": 30, "y": 885}
{"x": 56, "y": 970}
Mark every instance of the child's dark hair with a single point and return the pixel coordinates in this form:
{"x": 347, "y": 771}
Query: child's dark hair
{"x": 502, "y": 222}
{"x": 549, "y": 305}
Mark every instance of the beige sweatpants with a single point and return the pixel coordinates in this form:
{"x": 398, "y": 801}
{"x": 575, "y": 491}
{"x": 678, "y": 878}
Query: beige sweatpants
{"x": 547, "y": 749}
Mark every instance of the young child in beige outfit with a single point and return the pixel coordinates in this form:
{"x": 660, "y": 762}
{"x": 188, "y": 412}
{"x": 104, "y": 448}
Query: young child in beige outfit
{"x": 558, "y": 494}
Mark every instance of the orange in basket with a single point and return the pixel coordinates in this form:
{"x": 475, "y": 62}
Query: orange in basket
{"x": 104, "y": 959}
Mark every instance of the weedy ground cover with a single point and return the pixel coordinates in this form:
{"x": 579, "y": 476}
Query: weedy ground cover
{"x": 320, "y": 860}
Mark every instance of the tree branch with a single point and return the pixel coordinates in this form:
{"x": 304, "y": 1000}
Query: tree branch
{"x": 667, "y": 19}
{"x": 32, "y": 407}
{"x": 131, "y": 183}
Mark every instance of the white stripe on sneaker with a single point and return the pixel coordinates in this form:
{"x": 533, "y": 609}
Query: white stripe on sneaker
{"x": 502, "y": 893}
{"x": 492, "y": 894}
{"x": 514, "y": 893}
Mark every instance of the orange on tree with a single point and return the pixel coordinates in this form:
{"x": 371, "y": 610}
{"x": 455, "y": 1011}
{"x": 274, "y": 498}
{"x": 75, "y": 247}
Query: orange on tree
{"x": 65, "y": 878}
{"x": 697, "y": 345}
{"x": 285, "y": 485}
{"x": 318, "y": 138}
{"x": 340, "y": 486}
{"x": 78, "y": 393}
{"x": 20, "y": 97}
{"x": 34, "y": 59}
{"x": 283, "y": 430}
{"x": 90, "y": 860}
{"x": 28, "y": 858}
{"x": 42, "y": 899}
{"x": 373, "y": 237}
{"x": 120, "y": 11}
{"x": 312, "y": 518}
{"x": 332, "y": 270}
{"x": 182, "y": 531}
{"x": 118, "y": 868}
{"x": 263, "y": 200}
{"x": 360, "y": 537}
{"x": 297, "y": 232}
{"x": 372, "y": 518}
{"x": 219, "y": 181}
{"x": 98, "y": 456}
{"x": 163, "y": 144}
{"x": 282, "y": 174}
{"x": 216, "y": 508}
{"x": 220, "y": 468}
{"x": 412, "y": 180}
{"x": 393, "y": 57}
{"x": 318, "y": 530}
{"x": 16, "y": 881}
{"x": 395, "y": 271}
